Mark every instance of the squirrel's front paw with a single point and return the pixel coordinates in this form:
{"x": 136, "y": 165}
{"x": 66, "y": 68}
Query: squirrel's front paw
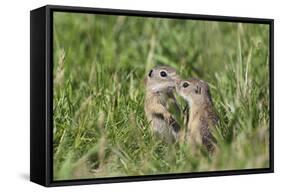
{"x": 168, "y": 118}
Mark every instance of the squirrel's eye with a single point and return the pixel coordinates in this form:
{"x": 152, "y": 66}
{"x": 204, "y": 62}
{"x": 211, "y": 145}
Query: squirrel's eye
{"x": 150, "y": 73}
{"x": 163, "y": 74}
{"x": 185, "y": 84}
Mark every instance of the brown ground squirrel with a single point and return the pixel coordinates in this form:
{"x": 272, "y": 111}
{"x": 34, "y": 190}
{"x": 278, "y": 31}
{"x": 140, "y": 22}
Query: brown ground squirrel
{"x": 202, "y": 116}
{"x": 159, "y": 99}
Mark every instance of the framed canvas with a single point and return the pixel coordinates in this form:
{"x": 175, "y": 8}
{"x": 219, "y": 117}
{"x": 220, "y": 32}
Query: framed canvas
{"x": 125, "y": 95}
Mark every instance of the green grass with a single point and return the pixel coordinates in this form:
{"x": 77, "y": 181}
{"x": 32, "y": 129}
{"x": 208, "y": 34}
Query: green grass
{"x": 100, "y": 63}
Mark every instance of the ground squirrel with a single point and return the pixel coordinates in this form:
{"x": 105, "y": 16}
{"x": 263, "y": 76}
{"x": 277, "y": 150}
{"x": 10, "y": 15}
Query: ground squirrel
{"x": 160, "y": 84}
{"x": 202, "y": 116}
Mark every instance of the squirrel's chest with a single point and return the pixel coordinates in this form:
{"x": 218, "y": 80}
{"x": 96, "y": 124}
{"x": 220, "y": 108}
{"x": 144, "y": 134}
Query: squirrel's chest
{"x": 193, "y": 129}
{"x": 194, "y": 122}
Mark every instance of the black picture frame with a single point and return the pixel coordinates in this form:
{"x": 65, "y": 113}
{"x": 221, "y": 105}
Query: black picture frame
{"x": 41, "y": 94}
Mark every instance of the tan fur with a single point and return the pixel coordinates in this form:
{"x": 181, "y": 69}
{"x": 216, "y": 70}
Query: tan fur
{"x": 202, "y": 116}
{"x": 159, "y": 97}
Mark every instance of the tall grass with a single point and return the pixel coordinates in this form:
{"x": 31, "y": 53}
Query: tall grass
{"x": 100, "y": 62}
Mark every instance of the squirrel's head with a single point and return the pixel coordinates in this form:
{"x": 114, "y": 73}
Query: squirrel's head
{"x": 194, "y": 91}
{"x": 161, "y": 78}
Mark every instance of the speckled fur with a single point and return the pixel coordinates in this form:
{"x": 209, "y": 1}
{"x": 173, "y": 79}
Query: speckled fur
{"x": 202, "y": 116}
{"x": 159, "y": 95}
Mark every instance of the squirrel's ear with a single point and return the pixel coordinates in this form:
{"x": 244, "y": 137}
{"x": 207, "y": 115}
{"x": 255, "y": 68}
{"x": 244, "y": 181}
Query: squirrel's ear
{"x": 150, "y": 73}
{"x": 198, "y": 89}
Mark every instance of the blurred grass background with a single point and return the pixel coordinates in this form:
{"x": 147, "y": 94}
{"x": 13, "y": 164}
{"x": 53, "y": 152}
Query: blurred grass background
{"x": 100, "y": 63}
